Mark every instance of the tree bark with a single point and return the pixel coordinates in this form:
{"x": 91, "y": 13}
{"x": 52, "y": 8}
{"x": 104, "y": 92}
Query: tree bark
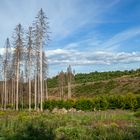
{"x": 17, "y": 85}
{"x": 41, "y": 93}
{"x": 35, "y": 107}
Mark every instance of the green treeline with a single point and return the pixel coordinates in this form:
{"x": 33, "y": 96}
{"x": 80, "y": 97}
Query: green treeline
{"x": 95, "y": 76}
{"x": 128, "y": 101}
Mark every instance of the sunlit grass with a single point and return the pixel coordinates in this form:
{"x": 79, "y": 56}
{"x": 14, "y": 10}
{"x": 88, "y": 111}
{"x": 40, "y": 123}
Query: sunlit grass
{"x": 98, "y": 124}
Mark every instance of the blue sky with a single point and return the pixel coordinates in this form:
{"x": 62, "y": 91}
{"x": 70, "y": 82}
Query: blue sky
{"x": 90, "y": 35}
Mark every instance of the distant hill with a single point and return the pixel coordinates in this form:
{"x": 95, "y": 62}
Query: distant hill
{"x": 99, "y": 83}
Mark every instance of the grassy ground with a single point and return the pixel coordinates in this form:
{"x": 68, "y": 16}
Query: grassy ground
{"x": 98, "y": 125}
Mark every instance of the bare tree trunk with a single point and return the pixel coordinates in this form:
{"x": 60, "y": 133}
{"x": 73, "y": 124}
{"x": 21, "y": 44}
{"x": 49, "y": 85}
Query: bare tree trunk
{"x": 12, "y": 101}
{"x": 35, "y": 107}
{"x": 8, "y": 93}
{"x": 69, "y": 76}
{"x": 14, "y": 96}
{"x": 17, "y": 85}
{"x": 69, "y": 90}
{"x": 38, "y": 91}
{"x": 62, "y": 92}
{"x": 41, "y": 93}
{"x": 3, "y": 95}
{"x": 43, "y": 89}
{"x": 47, "y": 96}
{"x": 29, "y": 91}
{"x": 22, "y": 97}
{"x": 5, "y": 92}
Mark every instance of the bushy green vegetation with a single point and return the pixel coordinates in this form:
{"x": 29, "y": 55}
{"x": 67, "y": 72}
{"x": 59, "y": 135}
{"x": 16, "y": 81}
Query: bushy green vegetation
{"x": 98, "y": 125}
{"x": 129, "y": 101}
{"x": 100, "y": 76}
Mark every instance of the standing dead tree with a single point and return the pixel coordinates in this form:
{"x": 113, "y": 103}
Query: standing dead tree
{"x": 45, "y": 75}
{"x": 70, "y": 78}
{"x": 6, "y": 67}
{"x": 17, "y": 56}
{"x": 41, "y": 30}
{"x": 29, "y": 62}
{"x": 61, "y": 81}
{"x": 24, "y": 74}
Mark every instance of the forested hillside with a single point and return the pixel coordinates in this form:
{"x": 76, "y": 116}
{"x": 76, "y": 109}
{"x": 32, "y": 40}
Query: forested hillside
{"x": 98, "y": 83}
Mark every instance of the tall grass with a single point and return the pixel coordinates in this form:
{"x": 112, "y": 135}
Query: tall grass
{"x": 98, "y": 125}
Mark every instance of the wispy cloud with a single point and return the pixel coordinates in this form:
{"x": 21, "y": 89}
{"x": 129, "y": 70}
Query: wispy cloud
{"x": 74, "y": 57}
{"x": 115, "y": 41}
{"x": 111, "y": 44}
{"x": 68, "y": 16}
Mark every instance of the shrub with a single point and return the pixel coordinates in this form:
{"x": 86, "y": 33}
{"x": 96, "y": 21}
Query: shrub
{"x": 137, "y": 113}
{"x": 32, "y": 131}
{"x": 71, "y": 133}
{"x": 50, "y": 104}
{"x": 129, "y": 101}
{"x": 100, "y": 103}
{"x": 115, "y": 102}
{"x": 84, "y": 104}
{"x": 69, "y": 104}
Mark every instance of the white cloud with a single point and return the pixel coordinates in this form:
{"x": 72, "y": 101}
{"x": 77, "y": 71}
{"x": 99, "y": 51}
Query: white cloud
{"x": 56, "y": 52}
{"x": 74, "y": 57}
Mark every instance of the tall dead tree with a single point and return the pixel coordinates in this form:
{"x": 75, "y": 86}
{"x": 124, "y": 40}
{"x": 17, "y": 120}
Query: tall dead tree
{"x": 41, "y": 25}
{"x": 36, "y": 66}
{"x": 6, "y": 66}
{"x": 21, "y": 89}
{"x": 13, "y": 78}
{"x": 35, "y": 90}
{"x": 69, "y": 80}
{"x": 2, "y": 79}
{"x": 17, "y": 56}
{"x": 61, "y": 80}
{"x": 45, "y": 75}
{"x": 14, "y": 73}
{"x": 29, "y": 61}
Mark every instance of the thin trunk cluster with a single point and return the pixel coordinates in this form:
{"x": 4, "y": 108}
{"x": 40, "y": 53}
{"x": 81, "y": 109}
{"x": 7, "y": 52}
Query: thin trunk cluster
{"x": 69, "y": 80}
{"x": 24, "y": 67}
{"x": 66, "y": 80}
{"x": 61, "y": 78}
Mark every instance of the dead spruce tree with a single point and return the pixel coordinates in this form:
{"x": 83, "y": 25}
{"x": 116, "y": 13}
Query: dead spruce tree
{"x": 6, "y": 67}
{"x": 45, "y": 74}
{"x": 24, "y": 75}
{"x": 18, "y": 56}
{"x": 29, "y": 62}
{"x": 42, "y": 34}
{"x": 36, "y": 67}
{"x": 70, "y": 78}
{"x": 61, "y": 80}
{"x": 1, "y": 83}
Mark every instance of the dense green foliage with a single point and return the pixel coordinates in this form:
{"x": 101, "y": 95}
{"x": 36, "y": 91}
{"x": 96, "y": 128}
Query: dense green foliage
{"x": 98, "y": 125}
{"x": 99, "y": 76}
{"x": 129, "y": 101}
